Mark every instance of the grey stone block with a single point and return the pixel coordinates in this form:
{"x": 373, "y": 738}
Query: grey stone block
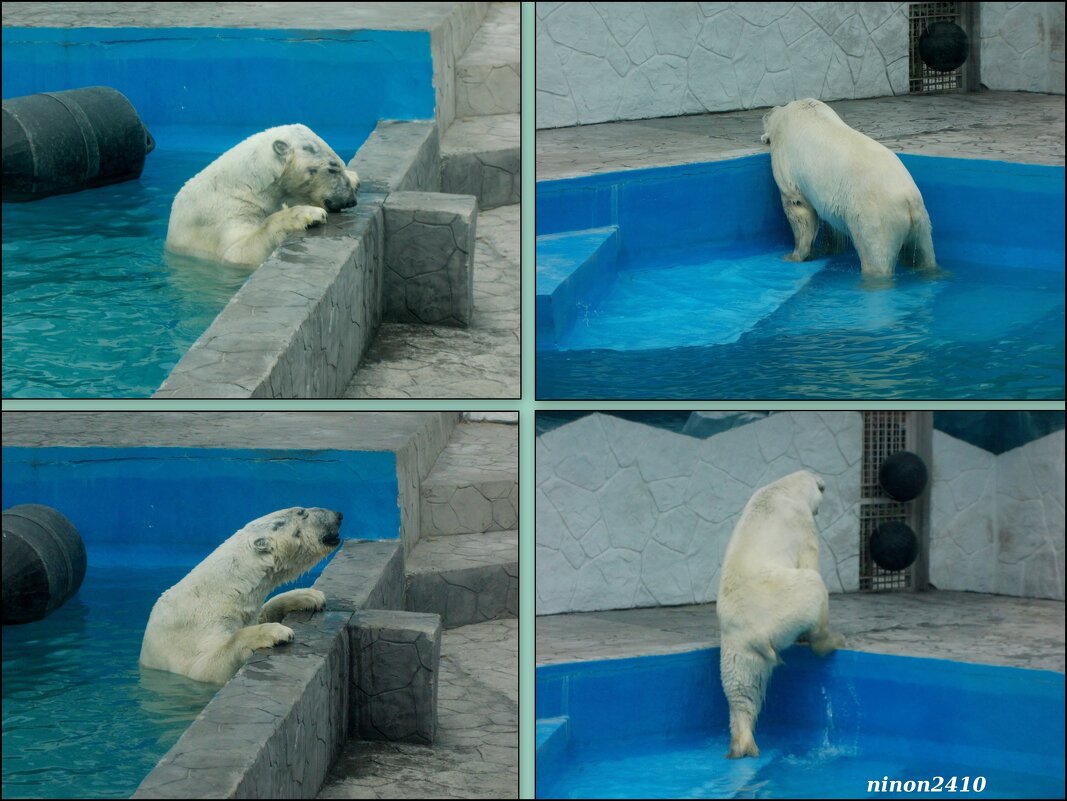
{"x": 468, "y": 595}
{"x": 429, "y": 257}
{"x": 395, "y": 658}
{"x": 399, "y": 156}
{"x": 364, "y": 574}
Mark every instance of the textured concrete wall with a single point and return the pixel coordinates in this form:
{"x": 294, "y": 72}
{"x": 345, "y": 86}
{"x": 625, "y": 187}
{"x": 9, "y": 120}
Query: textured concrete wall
{"x": 622, "y": 61}
{"x": 631, "y": 515}
{"x": 963, "y": 488}
{"x": 1022, "y": 46}
{"x": 997, "y": 521}
{"x": 1030, "y": 504}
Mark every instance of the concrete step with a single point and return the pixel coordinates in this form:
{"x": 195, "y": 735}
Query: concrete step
{"x": 474, "y": 484}
{"x": 574, "y": 270}
{"x": 480, "y": 157}
{"x": 487, "y": 74}
{"x": 465, "y": 578}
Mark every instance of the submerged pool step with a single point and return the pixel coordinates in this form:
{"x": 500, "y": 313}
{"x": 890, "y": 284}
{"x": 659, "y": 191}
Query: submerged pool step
{"x": 574, "y": 270}
{"x": 713, "y": 301}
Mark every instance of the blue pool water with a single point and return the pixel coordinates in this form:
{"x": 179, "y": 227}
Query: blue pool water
{"x": 714, "y": 312}
{"x": 656, "y": 727}
{"x": 92, "y": 305}
{"x": 81, "y": 718}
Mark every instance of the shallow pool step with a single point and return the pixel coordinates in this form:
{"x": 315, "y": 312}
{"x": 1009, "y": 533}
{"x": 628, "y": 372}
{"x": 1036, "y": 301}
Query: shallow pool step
{"x": 487, "y": 74}
{"x": 465, "y": 578}
{"x": 714, "y": 301}
{"x": 480, "y": 157}
{"x": 474, "y": 484}
{"x": 574, "y": 271}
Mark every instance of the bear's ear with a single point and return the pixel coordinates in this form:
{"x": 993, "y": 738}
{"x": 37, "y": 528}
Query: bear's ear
{"x": 281, "y": 147}
{"x": 261, "y": 544}
{"x": 765, "y": 139}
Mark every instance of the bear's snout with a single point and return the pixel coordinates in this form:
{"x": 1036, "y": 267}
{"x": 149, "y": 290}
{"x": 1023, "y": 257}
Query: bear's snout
{"x": 331, "y": 534}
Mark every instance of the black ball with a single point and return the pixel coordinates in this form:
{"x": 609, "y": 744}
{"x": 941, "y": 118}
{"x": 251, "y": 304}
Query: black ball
{"x": 894, "y": 546}
{"x": 943, "y": 46}
{"x": 903, "y": 476}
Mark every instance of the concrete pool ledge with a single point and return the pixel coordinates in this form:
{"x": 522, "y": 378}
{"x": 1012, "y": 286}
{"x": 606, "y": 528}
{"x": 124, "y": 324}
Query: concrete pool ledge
{"x": 300, "y": 325}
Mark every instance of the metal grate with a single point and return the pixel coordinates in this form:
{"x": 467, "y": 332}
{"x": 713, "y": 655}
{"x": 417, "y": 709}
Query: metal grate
{"x": 922, "y": 79}
{"x": 884, "y": 433}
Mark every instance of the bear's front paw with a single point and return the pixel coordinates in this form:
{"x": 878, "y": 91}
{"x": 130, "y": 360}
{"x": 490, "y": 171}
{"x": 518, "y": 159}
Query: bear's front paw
{"x": 314, "y": 600}
{"x": 307, "y": 216}
{"x": 276, "y": 634}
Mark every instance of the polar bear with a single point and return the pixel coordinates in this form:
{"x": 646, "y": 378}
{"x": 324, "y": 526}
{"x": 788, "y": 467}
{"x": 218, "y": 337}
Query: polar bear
{"x": 858, "y": 187}
{"x": 207, "y": 625}
{"x": 770, "y": 594}
{"x": 241, "y": 206}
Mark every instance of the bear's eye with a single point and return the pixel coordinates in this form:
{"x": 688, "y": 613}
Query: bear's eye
{"x": 296, "y": 534}
{"x": 277, "y": 525}
{"x": 312, "y": 170}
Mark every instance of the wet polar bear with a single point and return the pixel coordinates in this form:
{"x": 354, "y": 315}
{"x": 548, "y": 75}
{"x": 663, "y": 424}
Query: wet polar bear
{"x": 770, "y": 594}
{"x": 858, "y": 187}
{"x": 240, "y": 207}
{"x": 207, "y": 625}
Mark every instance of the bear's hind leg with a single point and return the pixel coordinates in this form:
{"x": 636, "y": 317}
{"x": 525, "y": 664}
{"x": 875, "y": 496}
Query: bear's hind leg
{"x": 293, "y": 601}
{"x": 744, "y": 673}
{"x": 918, "y": 250}
{"x": 804, "y": 222}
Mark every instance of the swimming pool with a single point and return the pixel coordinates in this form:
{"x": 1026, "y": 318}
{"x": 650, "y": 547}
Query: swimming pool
{"x": 81, "y": 718}
{"x": 92, "y": 305}
{"x": 669, "y": 283}
{"x": 656, "y": 727}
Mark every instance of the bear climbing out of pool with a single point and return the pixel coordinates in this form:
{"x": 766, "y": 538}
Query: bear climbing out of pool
{"x": 240, "y": 207}
{"x": 770, "y": 594}
{"x": 208, "y": 624}
{"x": 827, "y": 171}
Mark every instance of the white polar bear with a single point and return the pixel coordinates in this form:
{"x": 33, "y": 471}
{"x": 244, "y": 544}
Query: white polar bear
{"x": 241, "y": 206}
{"x": 770, "y": 594}
{"x": 207, "y": 625}
{"x": 858, "y": 187}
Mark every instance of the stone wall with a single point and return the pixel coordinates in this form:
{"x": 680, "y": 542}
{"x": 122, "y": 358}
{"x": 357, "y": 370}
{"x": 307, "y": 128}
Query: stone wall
{"x": 1022, "y": 46}
{"x": 630, "y": 515}
{"x": 621, "y": 61}
{"x": 997, "y": 521}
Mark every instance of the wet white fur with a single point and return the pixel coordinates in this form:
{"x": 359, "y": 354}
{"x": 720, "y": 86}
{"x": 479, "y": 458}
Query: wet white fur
{"x": 770, "y": 594}
{"x": 827, "y": 171}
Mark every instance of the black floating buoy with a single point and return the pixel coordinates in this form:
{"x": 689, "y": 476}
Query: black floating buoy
{"x": 943, "y": 46}
{"x": 44, "y": 562}
{"x": 894, "y": 545}
{"x": 903, "y": 476}
{"x": 58, "y": 142}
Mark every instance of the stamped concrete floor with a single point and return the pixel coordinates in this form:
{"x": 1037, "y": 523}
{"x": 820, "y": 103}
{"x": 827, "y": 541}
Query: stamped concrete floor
{"x": 477, "y": 750}
{"x": 433, "y": 361}
{"x": 1006, "y": 126}
{"x": 962, "y": 626}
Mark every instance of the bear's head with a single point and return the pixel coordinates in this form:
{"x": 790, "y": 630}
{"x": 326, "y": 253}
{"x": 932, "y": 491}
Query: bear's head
{"x": 312, "y": 174}
{"x": 805, "y": 486}
{"x": 291, "y": 541}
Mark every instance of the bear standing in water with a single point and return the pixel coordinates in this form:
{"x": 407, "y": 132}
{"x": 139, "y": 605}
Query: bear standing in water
{"x": 858, "y": 187}
{"x": 240, "y": 207}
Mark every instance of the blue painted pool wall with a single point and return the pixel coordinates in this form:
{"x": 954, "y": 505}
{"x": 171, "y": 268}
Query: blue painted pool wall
{"x": 188, "y": 496}
{"x": 725, "y": 204}
{"x": 573, "y": 273}
{"x": 922, "y": 700}
{"x": 338, "y": 82}
{"x": 986, "y": 212}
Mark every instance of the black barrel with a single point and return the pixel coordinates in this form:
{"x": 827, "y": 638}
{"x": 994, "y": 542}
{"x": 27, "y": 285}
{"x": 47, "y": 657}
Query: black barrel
{"x": 59, "y": 142}
{"x": 44, "y": 562}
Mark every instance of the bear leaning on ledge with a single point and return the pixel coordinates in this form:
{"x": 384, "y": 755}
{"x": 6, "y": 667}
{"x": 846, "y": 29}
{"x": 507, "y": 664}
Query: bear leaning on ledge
{"x": 240, "y": 207}
{"x": 828, "y": 171}
{"x": 208, "y": 624}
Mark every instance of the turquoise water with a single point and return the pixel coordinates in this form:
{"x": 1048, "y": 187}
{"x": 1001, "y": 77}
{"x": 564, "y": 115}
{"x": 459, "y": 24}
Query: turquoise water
{"x": 657, "y": 727}
{"x": 971, "y": 331}
{"x": 81, "y": 718}
{"x": 92, "y": 305}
